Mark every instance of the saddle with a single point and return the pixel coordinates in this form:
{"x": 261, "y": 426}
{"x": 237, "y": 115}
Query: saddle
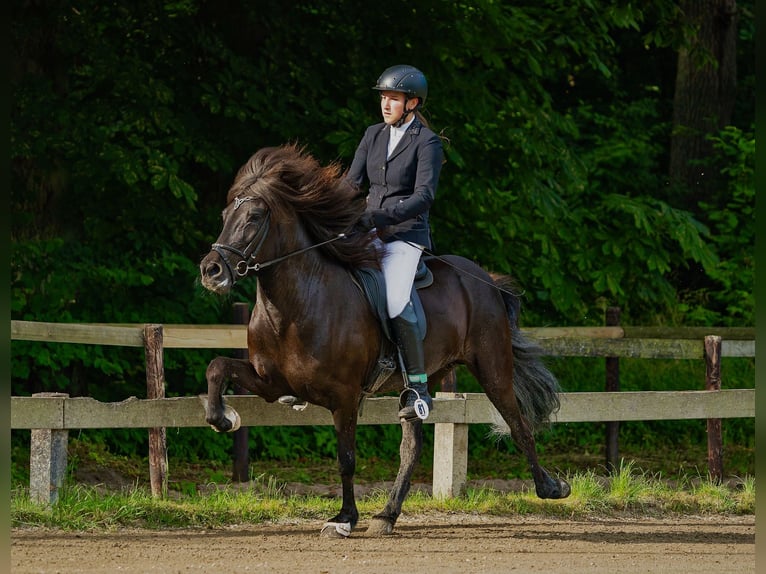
{"x": 373, "y": 285}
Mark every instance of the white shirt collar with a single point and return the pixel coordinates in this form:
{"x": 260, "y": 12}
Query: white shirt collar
{"x": 403, "y": 128}
{"x": 396, "y": 134}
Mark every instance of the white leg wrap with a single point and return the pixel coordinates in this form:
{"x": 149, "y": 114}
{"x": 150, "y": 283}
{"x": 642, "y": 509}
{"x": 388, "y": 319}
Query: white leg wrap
{"x": 336, "y": 529}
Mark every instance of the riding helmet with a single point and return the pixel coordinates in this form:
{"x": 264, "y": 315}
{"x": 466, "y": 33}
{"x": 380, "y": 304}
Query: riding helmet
{"x": 406, "y": 79}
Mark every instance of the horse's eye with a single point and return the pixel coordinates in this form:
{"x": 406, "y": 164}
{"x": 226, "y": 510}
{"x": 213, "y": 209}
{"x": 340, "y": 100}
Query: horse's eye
{"x": 254, "y": 216}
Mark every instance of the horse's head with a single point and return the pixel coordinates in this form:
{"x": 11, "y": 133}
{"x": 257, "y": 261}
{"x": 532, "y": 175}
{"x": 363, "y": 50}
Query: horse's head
{"x": 245, "y": 227}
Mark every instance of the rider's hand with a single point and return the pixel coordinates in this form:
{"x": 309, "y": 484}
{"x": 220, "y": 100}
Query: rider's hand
{"x": 366, "y": 222}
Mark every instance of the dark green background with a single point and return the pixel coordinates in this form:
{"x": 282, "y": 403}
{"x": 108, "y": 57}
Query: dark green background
{"x": 129, "y": 120}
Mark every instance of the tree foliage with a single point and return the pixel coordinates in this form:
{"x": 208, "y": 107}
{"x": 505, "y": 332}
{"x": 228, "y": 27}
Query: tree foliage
{"x": 129, "y": 120}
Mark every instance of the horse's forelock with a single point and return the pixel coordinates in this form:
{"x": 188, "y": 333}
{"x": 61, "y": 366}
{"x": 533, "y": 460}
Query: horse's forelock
{"x": 257, "y": 176}
{"x": 290, "y": 177}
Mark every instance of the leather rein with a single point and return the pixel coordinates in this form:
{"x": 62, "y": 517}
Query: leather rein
{"x": 249, "y": 253}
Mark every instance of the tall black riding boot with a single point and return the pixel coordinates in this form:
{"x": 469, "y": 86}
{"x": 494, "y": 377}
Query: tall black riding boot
{"x": 415, "y": 401}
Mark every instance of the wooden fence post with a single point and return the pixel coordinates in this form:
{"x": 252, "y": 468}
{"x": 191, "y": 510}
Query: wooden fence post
{"x": 450, "y": 456}
{"x": 713, "y": 383}
{"x": 47, "y": 460}
{"x": 612, "y": 385}
{"x": 241, "y": 463}
{"x": 155, "y": 389}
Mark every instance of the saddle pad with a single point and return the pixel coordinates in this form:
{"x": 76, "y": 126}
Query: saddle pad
{"x": 373, "y": 286}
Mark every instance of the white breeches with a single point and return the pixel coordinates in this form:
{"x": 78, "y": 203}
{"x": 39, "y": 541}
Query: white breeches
{"x": 400, "y": 262}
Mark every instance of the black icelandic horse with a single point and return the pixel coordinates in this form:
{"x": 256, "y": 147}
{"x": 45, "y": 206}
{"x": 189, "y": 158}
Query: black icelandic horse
{"x": 313, "y": 334}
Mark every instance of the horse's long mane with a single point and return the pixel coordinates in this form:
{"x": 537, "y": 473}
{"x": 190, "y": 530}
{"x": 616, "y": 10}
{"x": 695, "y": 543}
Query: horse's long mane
{"x": 294, "y": 184}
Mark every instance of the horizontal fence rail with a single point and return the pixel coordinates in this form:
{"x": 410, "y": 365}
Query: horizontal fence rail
{"x": 638, "y": 342}
{"x": 457, "y": 408}
{"x": 50, "y": 416}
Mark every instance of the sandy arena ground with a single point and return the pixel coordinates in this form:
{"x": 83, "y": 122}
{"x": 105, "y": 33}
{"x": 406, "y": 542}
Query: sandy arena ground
{"x": 442, "y": 544}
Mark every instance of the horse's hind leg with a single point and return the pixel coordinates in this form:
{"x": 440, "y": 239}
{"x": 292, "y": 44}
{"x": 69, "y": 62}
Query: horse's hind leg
{"x": 409, "y": 454}
{"x": 490, "y": 374}
{"x": 545, "y": 485}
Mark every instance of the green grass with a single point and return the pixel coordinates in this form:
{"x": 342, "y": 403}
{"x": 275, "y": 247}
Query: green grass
{"x": 629, "y": 490}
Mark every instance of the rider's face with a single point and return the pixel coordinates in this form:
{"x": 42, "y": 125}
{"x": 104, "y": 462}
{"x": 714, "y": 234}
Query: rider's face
{"x": 392, "y": 106}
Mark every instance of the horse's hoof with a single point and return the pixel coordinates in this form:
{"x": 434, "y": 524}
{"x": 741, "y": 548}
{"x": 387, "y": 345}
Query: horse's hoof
{"x": 380, "y": 527}
{"x": 233, "y": 417}
{"x": 554, "y": 489}
{"x": 336, "y": 530}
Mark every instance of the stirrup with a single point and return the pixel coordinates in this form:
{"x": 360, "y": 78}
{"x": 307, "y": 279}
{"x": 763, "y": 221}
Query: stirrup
{"x": 419, "y": 408}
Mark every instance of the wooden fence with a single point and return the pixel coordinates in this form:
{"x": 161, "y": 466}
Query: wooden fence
{"x": 51, "y": 415}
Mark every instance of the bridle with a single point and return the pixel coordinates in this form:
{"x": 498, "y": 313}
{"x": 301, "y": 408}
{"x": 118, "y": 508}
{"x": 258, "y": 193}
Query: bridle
{"x": 249, "y": 253}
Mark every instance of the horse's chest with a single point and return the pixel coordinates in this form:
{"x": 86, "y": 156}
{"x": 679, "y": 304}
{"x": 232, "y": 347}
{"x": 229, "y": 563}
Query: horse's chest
{"x": 284, "y": 355}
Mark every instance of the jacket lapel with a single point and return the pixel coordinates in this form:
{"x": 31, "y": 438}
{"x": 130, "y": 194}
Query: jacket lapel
{"x": 406, "y": 140}
{"x": 379, "y": 148}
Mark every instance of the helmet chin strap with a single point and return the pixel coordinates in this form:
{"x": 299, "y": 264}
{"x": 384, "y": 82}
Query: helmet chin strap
{"x": 402, "y": 120}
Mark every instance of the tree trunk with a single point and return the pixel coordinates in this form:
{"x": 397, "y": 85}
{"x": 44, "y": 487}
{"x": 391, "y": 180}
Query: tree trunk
{"x": 705, "y": 92}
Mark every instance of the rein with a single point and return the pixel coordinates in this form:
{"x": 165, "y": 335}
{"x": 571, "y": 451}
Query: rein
{"x": 242, "y": 268}
{"x": 463, "y": 271}
{"x": 260, "y": 266}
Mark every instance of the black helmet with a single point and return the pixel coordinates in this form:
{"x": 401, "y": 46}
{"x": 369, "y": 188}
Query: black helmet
{"x": 406, "y": 79}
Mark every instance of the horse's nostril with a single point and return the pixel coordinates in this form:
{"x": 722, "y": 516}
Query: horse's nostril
{"x": 210, "y": 269}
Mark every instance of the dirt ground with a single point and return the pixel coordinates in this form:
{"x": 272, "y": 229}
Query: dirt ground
{"x": 437, "y": 543}
{"x": 440, "y": 543}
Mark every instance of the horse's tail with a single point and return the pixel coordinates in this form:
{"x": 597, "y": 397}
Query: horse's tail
{"x": 536, "y": 388}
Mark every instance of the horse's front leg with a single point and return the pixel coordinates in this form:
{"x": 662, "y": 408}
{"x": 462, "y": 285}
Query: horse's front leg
{"x": 341, "y": 525}
{"x": 220, "y": 372}
{"x": 409, "y": 455}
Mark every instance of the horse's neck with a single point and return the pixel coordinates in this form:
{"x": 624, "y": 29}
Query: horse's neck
{"x": 298, "y": 285}
{"x": 301, "y": 284}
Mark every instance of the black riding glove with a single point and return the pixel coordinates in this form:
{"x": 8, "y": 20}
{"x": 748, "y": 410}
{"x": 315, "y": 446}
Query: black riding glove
{"x": 366, "y": 222}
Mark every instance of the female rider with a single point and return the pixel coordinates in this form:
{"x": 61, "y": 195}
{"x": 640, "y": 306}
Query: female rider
{"x": 400, "y": 160}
